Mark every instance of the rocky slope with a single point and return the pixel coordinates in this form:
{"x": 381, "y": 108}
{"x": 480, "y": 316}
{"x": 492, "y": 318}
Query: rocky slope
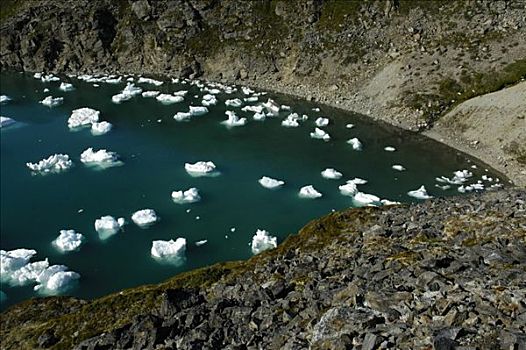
{"x": 447, "y": 273}
{"x": 406, "y": 62}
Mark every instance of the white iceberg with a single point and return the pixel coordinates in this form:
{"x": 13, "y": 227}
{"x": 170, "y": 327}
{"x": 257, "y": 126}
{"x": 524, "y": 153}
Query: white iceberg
{"x": 291, "y": 121}
{"x": 272, "y": 107}
{"x": 167, "y": 99}
{"x": 420, "y": 193}
{"x": 66, "y": 87}
{"x": 398, "y": 167}
{"x": 52, "y": 102}
{"x": 209, "y": 100}
{"x": 349, "y": 126}
{"x": 316, "y": 109}
{"x": 389, "y": 149}
{"x": 83, "y": 117}
{"x": 198, "y": 110}
{"x": 259, "y": 116}
{"x": 349, "y": 189}
{"x": 460, "y": 176}
{"x": 150, "y": 81}
{"x": 144, "y": 218}
{"x": 355, "y": 143}
{"x": 55, "y": 279}
{"x": 246, "y": 90}
{"x": 100, "y": 128}
{"x": 200, "y": 168}
{"x": 357, "y": 181}
{"x": 202, "y": 242}
{"x": 180, "y": 93}
{"x": 182, "y": 116}
{"x": 262, "y": 241}
{"x": 309, "y": 192}
{"x": 233, "y": 120}
{"x": 6, "y": 121}
{"x": 470, "y": 188}
{"x": 234, "y": 102}
{"x": 251, "y": 99}
{"x": 38, "y": 75}
{"x": 189, "y": 196}
{"x": 111, "y": 80}
{"x": 173, "y": 251}
{"x": 107, "y": 226}
{"x": 49, "y": 78}
{"x": 320, "y": 134}
{"x": 101, "y": 158}
{"x": 331, "y": 173}
{"x": 68, "y": 240}
{"x": 361, "y": 198}
{"x": 53, "y": 164}
{"x": 4, "y": 98}
{"x": 28, "y": 273}
{"x": 147, "y": 94}
{"x": 127, "y": 93}
{"x": 255, "y": 109}
{"x": 270, "y": 183}
{"x": 320, "y": 122}
{"x": 13, "y": 260}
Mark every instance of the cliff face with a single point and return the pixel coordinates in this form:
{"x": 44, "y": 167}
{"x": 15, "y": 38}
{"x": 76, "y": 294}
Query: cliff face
{"x": 444, "y": 273}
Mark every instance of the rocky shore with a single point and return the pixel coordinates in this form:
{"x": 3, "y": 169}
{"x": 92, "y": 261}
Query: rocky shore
{"x": 444, "y": 274}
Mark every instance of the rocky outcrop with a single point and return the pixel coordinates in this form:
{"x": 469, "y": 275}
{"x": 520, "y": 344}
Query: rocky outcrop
{"x": 444, "y": 274}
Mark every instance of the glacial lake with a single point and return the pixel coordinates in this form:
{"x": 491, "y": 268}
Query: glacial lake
{"x": 154, "y": 149}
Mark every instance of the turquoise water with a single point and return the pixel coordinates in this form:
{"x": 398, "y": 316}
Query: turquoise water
{"x": 35, "y": 208}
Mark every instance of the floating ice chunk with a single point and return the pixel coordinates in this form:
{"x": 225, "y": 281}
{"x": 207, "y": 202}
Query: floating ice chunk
{"x": 212, "y": 91}
{"x": 150, "y": 94}
{"x": 255, "y": 109}
{"x": 309, "y": 192}
{"x": 150, "y": 81}
{"x": 182, "y": 116}
{"x": 173, "y": 251}
{"x": 198, "y": 110}
{"x": 101, "y": 158}
{"x": 349, "y": 189}
{"x": 209, "y": 100}
{"x": 28, "y": 273}
{"x": 259, "y": 116}
{"x": 355, "y": 143}
{"x": 144, "y": 218}
{"x": 470, "y": 188}
{"x": 420, "y": 193}
{"x": 49, "y": 78}
{"x": 55, "y": 279}
{"x": 320, "y": 134}
{"x": 107, "y": 226}
{"x": 233, "y": 120}
{"x": 4, "y": 98}
{"x": 66, "y": 87}
{"x": 53, "y": 164}
{"x": 200, "y": 243}
{"x": 316, "y": 109}
{"x": 460, "y": 176}
{"x": 234, "y": 102}
{"x": 271, "y": 107}
{"x": 389, "y": 149}
{"x": 127, "y": 93}
{"x": 331, "y": 173}
{"x": 37, "y": 75}
{"x": 52, "y": 102}
{"x": 201, "y": 168}
{"x": 388, "y": 202}
{"x": 291, "y": 121}
{"x": 262, "y": 241}
{"x": 285, "y": 108}
{"x": 100, "y": 128}
{"x": 251, "y": 99}
{"x": 361, "y": 198}
{"x": 247, "y": 90}
{"x": 271, "y": 183}
{"x": 444, "y": 187}
{"x": 83, "y": 117}
{"x": 398, "y": 167}
{"x": 181, "y": 93}
{"x": 189, "y": 196}
{"x": 357, "y": 181}
{"x": 68, "y": 240}
{"x": 111, "y": 80}
{"x": 46, "y": 90}
{"x": 349, "y": 126}
{"x": 13, "y": 260}
{"x": 320, "y": 122}
{"x": 6, "y": 121}
{"x": 167, "y": 99}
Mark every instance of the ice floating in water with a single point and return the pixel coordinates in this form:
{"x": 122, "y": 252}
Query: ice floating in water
{"x": 83, "y": 117}
{"x": 398, "y": 167}
{"x": 291, "y": 121}
{"x": 200, "y": 168}
{"x": 4, "y": 98}
{"x": 316, "y": 109}
{"x": 349, "y": 189}
{"x": 150, "y": 81}
{"x": 107, "y": 226}
{"x": 357, "y": 181}
{"x": 101, "y": 158}
{"x": 272, "y": 107}
{"x": 309, "y": 192}
{"x": 322, "y": 122}
{"x": 209, "y": 100}
{"x": 52, "y": 102}
{"x": 320, "y": 134}
{"x": 189, "y": 196}
{"x": 331, "y": 173}
{"x": 49, "y": 78}
{"x": 55, "y": 279}
{"x": 355, "y": 143}
{"x": 182, "y": 116}
{"x": 66, "y": 87}
{"x": 259, "y": 116}
{"x": 460, "y": 176}
{"x": 172, "y": 251}
{"x": 68, "y": 240}
{"x": 167, "y": 99}
{"x": 150, "y": 94}
{"x": 129, "y": 91}
{"x": 443, "y": 188}
{"x": 349, "y": 126}
{"x": 420, "y": 193}
{"x": 469, "y": 188}
{"x": 389, "y": 149}
{"x": 181, "y": 93}
{"x": 200, "y": 243}
{"x": 198, "y": 110}
{"x": 100, "y": 128}
{"x": 144, "y": 218}
{"x": 361, "y": 198}
{"x": 53, "y": 164}
{"x": 255, "y": 109}
{"x": 13, "y": 260}
{"x": 246, "y": 90}
{"x": 262, "y": 241}
{"x": 271, "y": 183}
{"x": 233, "y": 120}
{"x": 6, "y": 121}
{"x": 234, "y": 103}
{"x": 251, "y": 99}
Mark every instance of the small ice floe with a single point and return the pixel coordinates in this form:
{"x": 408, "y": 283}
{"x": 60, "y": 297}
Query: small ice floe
{"x": 209, "y": 100}
{"x": 49, "y": 78}
{"x": 149, "y": 81}
{"x": 233, "y": 120}
{"x": 349, "y": 126}
{"x": 107, "y": 226}
{"x": 144, "y": 218}
{"x": 147, "y": 94}
{"x": 127, "y": 93}
{"x": 66, "y": 87}
{"x": 270, "y": 183}
{"x": 443, "y": 187}
{"x": 55, "y": 279}
{"x": 291, "y": 121}
{"x": 262, "y": 241}
{"x": 169, "y": 251}
{"x": 321, "y": 122}
{"x": 470, "y": 188}
{"x": 181, "y": 93}
{"x": 100, "y": 128}
{"x": 357, "y": 181}
{"x": 201, "y": 168}
{"x": 200, "y": 243}
{"x": 167, "y": 99}
{"x": 55, "y": 163}
{"x": 232, "y": 229}
{"x": 272, "y": 107}
{"x": 320, "y": 134}
{"x": 101, "y": 159}
{"x": 316, "y": 109}
{"x": 50, "y": 101}
{"x": 183, "y": 116}
{"x": 331, "y": 173}
{"x": 68, "y": 240}
{"x": 251, "y": 99}
{"x": 366, "y": 199}
{"x": 259, "y": 116}
{"x": 460, "y": 176}
{"x": 45, "y": 90}
{"x": 198, "y": 110}
{"x": 234, "y": 102}
{"x": 349, "y": 189}
{"x": 398, "y": 167}
{"x": 130, "y": 79}
{"x": 486, "y": 178}
{"x": 189, "y": 196}
{"x": 83, "y": 117}
{"x": 285, "y": 108}
{"x": 4, "y": 99}
{"x": 388, "y": 202}
{"x": 355, "y": 143}
{"x": 419, "y": 193}
{"x": 246, "y": 90}
{"x": 112, "y": 80}
{"x": 6, "y": 121}
{"x": 389, "y": 149}
{"x": 309, "y": 192}
{"x": 255, "y": 109}
{"x": 38, "y": 75}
